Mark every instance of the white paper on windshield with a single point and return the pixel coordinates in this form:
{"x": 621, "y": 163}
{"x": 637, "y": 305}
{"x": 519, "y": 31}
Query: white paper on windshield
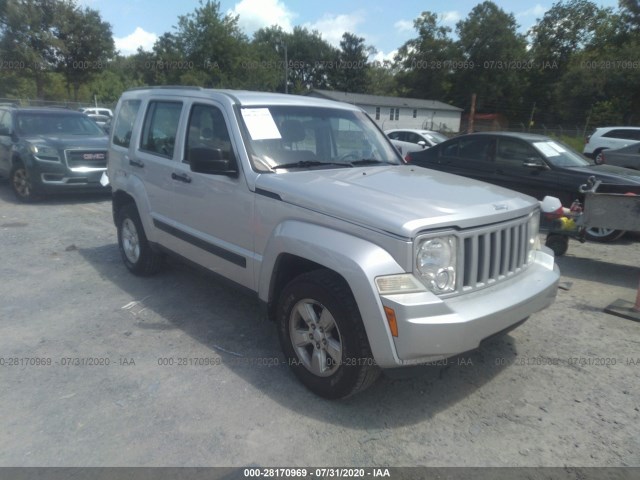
{"x": 546, "y": 149}
{"x": 557, "y": 147}
{"x": 260, "y": 124}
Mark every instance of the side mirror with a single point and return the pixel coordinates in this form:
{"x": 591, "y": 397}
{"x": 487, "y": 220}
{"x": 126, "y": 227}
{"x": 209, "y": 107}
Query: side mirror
{"x": 422, "y": 143}
{"x": 534, "y": 164}
{"x": 211, "y": 161}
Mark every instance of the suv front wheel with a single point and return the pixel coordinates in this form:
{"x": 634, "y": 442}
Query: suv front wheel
{"x": 21, "y": 183}
{"x": 323, "y": 337}
{"x": 137, "y": 253}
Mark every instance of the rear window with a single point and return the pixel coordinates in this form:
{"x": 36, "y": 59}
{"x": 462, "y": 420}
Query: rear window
{"x": 124, "y": 122}
{"x": 624, "y": 134}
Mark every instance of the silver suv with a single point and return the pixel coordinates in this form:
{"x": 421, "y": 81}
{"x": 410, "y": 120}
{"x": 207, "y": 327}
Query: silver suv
{"x": 363, "y": 262}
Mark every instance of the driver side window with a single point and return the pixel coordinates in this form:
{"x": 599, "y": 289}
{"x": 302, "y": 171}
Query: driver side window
{"x": 515, "y": 153}
{"x": 207, "y": 130}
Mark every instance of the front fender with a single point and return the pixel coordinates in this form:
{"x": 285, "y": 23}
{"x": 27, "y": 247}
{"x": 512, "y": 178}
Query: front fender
{"x": 357, "y": 260}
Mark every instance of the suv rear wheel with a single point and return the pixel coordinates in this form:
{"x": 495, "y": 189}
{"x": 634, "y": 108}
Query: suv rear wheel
{"x": 135, "y": 249}
{"x": 603, "y": 235}
{"x": 322, "y": 335}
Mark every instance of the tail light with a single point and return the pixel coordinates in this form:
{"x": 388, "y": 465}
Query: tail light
{"x": 407, "y": 158}
{"x": 586, "y": 140}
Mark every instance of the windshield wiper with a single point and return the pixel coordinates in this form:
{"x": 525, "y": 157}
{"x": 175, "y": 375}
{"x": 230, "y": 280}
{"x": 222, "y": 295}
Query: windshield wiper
{"x": 309, "y": 163}
{"x": 370, "y": 161}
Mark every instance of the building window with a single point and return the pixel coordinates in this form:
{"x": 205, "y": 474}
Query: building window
{"x": 377, "y": 113}
{"x": 415, "y": 113}
{"x": 391, "y": 114}
{"x": 397, "y": 113}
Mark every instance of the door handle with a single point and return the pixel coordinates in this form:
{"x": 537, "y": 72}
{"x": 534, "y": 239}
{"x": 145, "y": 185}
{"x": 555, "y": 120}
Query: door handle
{"x": 182, "y": 177}
{"x": 136, "y": 163}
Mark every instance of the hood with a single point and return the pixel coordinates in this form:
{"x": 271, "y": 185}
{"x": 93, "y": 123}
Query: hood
{"x": 403, "y": 200}
{"x": 62, "y": 142}
{"x": 610, "y": 174}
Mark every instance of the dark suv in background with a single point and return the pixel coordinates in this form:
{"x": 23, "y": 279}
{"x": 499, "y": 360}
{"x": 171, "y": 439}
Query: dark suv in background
{"x": 49, "y": 150}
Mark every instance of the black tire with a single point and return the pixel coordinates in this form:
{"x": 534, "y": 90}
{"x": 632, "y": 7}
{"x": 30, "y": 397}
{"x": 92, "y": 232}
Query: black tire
{"x": 558, "y": 243}
{"x": 603, "y": 235}
{"x": 21, "y": 183}
{"x": 137, "y": 254}
{"x": 347, "y": 369}
{"x": 597, "y": 156}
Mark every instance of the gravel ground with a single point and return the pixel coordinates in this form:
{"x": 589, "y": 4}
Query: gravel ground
{"x": 561, "y": 390}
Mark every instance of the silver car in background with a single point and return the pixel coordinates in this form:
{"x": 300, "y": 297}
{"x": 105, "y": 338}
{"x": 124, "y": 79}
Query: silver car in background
{"x": 628, "y": 157}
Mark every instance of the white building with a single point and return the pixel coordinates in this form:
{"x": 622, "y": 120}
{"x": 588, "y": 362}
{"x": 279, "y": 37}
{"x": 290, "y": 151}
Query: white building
{"x": 400, "y": 112}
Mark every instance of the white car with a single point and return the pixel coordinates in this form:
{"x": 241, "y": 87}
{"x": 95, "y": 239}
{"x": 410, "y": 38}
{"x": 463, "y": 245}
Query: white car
{"x": 609, "y": 137}
{"x": 97, "y": 111}
{"x": 407, "y": 140}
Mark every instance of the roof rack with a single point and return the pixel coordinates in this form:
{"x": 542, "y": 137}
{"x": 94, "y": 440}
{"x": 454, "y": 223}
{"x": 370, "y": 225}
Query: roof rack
{"x": 167, "y": 87}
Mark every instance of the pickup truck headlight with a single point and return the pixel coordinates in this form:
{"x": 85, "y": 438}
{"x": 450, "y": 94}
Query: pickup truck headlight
{"x": 43, "y": 152}
{"x": 533, "y": 229}
{"x": 436, "y": 263}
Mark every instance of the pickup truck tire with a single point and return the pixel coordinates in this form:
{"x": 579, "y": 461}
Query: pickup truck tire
{"x": 322, "y": 335}
{"x": 137, "y": 254}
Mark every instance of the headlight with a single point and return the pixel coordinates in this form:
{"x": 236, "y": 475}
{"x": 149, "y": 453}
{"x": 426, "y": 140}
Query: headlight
{"x": 43, "y": 152}
{"x": 532, "y": 229}
{"x": 436, "y": 263}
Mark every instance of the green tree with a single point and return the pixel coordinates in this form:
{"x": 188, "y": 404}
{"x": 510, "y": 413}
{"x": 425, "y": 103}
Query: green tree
{"x": 489, "y": 41}
{"x": 211, "y": 43}
{"x": 310, "y": 59}
{"x": 382, "y": 78}
{"x": 352, "y": 70}
{"x": 30, "y": 41}
{"x": 564, "y": 30}
{"x": 424, "y": 62}
{"x": 86, "y": 45}
{"x": 268, "y": 60}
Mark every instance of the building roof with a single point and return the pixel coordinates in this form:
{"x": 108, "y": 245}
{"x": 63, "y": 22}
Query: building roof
{"x": 383, "y": 101}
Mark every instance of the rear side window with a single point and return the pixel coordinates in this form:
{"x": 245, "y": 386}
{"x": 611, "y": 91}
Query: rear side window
{"x": 124, "y": 123}
{"x": 623, "y": 133}
{"x": 160, "y": 128}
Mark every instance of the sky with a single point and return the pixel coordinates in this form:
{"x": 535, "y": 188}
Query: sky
{"x": 385, "y": 25}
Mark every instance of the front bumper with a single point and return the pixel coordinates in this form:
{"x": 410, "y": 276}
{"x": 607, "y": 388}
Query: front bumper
{"x": 51, "y": 177}
{"x": 431, "y": 328}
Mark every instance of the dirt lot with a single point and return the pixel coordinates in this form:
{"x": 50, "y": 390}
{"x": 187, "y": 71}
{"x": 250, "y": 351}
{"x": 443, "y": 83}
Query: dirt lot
{"x": 563, "y": 389}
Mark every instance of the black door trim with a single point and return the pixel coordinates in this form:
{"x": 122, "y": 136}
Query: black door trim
{"x": 204, "y": 245}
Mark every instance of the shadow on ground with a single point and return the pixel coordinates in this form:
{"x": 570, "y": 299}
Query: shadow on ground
{"x": 228, "y": 320}
{"x": 70, "y": 198}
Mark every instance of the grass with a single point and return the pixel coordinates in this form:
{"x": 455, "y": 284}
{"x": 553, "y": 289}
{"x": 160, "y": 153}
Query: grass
{"x": 577, "y": 143}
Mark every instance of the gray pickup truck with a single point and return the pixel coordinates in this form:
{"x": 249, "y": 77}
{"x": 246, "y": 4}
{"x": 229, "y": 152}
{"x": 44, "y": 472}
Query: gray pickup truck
{"x": 363, "y": 262}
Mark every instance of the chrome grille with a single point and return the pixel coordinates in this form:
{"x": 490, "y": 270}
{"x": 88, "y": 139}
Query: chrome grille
{"x": 491, "y": 254}
{"x": 86, "y": 158}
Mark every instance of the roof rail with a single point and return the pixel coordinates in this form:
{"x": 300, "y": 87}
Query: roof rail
{"x": 165, "y": 87}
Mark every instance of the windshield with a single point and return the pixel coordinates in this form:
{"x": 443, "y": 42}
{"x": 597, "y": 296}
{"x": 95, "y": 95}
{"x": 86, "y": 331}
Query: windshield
{"x": 56, "y": 124}
{"x": 283, "y": 137}
{"x": 560, "y": 155}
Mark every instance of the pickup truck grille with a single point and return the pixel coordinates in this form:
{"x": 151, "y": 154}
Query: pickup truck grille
{"x": 86, "y": 158}
{"x": 492, "y": 254}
